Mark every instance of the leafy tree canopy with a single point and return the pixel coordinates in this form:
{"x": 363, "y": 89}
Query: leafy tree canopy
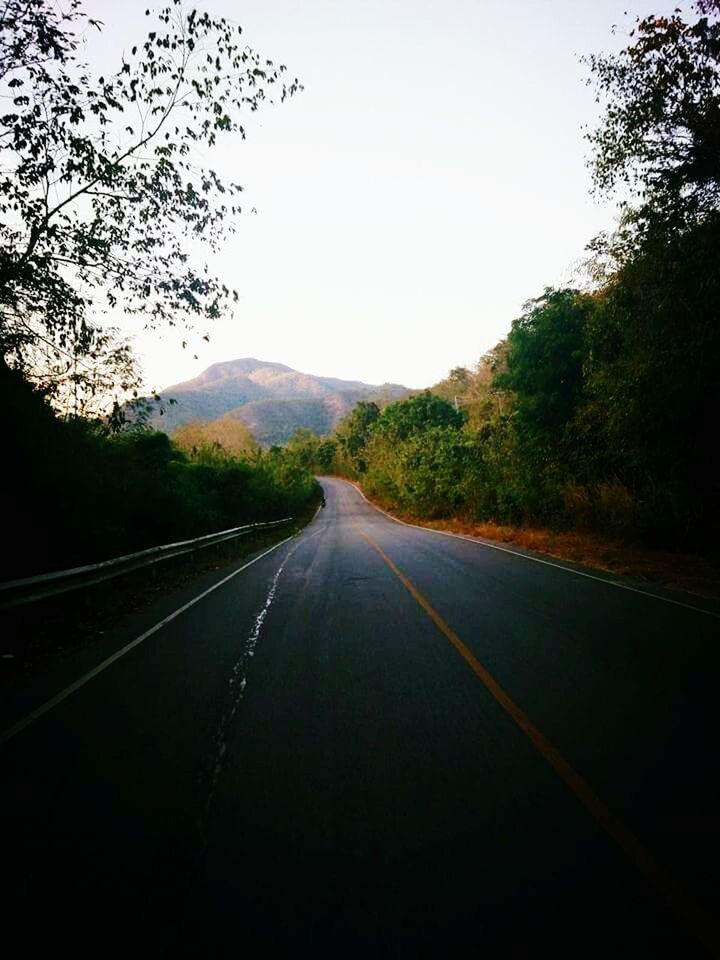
{"x": 545, "y": 362}
{"x": 403, "y": 418}
{"x": 354, "y": 431}
{"x": 660, "y": 131}
{"x": 101, "y": 194}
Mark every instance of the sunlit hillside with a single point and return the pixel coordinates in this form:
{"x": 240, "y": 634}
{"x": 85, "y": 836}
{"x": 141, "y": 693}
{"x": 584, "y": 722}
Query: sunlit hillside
{"x": 271, "y": 398}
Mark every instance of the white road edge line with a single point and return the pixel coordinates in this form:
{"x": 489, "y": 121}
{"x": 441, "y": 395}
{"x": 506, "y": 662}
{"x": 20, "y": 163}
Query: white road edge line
{"x": 44, "y": 708}
{"x": 526, "y": 556}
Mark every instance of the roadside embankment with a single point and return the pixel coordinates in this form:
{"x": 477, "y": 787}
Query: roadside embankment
{"x": 692, "y": 573}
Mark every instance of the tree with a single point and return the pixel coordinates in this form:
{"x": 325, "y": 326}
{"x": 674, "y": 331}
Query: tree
{"x": 303, "y": 447}
{"x": 228, "y": 436}
{"x": 654, "y": 343}
{"x": 660, "y": 131}
{"x": 101, "y": 196}
{"x": 403, "y": 418}
{"x": 545, "y": 364}
{"x": 354, "y": 431}
{"x": 474, "y": 390}
{"x": 94, "y": 383}
{"x": 326, "y": 452}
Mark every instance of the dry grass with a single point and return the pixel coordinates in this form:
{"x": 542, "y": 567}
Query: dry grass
{"x": 688, "y": 572}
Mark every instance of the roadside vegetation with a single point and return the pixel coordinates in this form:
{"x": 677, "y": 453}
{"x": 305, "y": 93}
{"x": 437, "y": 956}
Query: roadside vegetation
{"x": 599, "y": 411}
{"x": 108, "y": 205}
{"x": 80, "y": 493}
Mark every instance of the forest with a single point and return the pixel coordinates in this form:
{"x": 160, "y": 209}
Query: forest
{"x": 82, "y": 493}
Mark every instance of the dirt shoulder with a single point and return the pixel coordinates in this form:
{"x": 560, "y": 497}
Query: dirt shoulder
{"x": 688, "y": 572}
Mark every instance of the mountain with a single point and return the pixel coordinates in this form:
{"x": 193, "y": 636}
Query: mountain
{"x": 272, "y": 399}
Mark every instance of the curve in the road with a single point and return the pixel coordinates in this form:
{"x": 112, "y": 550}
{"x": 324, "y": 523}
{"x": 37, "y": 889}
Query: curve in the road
{"x": 481, "y": 541}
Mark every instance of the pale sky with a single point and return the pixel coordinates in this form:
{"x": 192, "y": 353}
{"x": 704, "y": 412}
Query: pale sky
{"x": 428, "y": 181}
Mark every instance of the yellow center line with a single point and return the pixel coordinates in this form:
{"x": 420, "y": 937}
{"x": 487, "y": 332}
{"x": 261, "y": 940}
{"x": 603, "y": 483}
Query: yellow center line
{"x": 672, "y": 891}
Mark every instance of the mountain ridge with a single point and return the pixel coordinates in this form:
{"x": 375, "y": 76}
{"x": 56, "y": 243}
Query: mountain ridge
{"x": 272, "y": 398}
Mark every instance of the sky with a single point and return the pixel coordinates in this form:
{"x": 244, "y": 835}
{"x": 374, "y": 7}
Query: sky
{"x": 429, "y": 180}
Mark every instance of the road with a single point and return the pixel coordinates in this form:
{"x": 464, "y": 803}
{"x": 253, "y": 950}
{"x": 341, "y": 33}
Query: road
{"x": 375, "y": 738}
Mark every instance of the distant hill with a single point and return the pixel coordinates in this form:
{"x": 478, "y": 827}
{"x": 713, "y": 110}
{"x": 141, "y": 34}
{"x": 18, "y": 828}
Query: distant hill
{"x": 272, "y": 399}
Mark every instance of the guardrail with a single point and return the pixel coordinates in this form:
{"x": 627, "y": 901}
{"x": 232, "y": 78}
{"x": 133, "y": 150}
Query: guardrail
{"x": 13, "y": 593}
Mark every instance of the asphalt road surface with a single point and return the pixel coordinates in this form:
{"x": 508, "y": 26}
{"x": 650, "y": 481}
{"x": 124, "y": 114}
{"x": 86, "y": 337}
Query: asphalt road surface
{"x": 379, "y": 739}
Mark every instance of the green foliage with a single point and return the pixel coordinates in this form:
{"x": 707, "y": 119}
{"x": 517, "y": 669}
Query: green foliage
{"x": 103, "y": 188}
{"x": 424, "y": 473}
{"x": 660, "y": 131}
{"x": 598, "y": 414}
{"x": 79, "y": 494}
{"x": 545, "y": 373}
{"x": 654, "y": 345}
{"x": 405, "y": 418}
{"x": 303, "y": 447}
{"x": 354, "y": 432}
{"x": 312, "y": 453}
{"x": 325, "y": 456}
{"x": 412, "y": 454}
{"x": 475, "y": 391}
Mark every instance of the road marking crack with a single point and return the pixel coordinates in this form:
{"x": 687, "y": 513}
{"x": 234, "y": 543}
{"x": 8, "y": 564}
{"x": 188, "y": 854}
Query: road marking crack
{"x": 238, "y": 678}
